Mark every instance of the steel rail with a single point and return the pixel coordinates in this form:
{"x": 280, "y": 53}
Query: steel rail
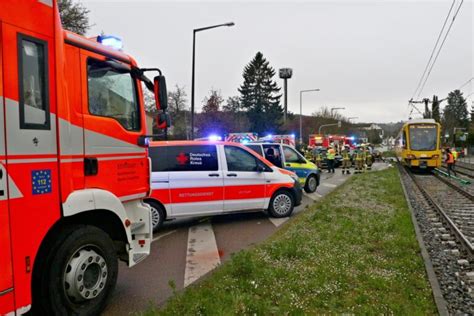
{"x": 462, "y": 172}
{"x": 453, "y": 227}
{"x": 456, "y": 188}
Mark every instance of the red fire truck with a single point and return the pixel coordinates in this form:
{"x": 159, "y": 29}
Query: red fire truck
{"x": 319, "y": 140}
{"x": 73, "y": 166}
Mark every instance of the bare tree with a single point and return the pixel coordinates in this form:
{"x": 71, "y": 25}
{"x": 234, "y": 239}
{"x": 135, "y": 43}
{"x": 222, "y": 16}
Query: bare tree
{"x": 74, "y": 16}
{"x": 177, "y": 100}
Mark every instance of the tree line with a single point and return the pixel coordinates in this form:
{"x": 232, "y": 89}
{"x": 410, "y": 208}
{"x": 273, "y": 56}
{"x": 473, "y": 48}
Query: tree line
{"x": 257, "y": 108}
{"x": 455, "y": 119}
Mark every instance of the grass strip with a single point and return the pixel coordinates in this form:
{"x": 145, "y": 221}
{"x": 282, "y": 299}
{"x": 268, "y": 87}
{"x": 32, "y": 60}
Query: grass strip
{"x": 354, "y": 251}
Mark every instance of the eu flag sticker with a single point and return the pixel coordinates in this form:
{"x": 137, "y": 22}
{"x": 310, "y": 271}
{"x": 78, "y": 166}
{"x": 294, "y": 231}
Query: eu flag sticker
{"x": 41, "y": 180}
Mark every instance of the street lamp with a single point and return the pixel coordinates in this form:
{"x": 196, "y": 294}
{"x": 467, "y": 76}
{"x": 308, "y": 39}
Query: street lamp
{"x": 194, "y": 57}
{"x": 335, "y": 109}
{"x": 301, "y": 111}
{"x": 285, "y": 74}
{"x": 352, "y": 118}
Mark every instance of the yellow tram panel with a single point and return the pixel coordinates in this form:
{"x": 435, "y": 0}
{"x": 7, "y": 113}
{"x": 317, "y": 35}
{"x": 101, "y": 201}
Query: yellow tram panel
{"x": 418, "y": 145}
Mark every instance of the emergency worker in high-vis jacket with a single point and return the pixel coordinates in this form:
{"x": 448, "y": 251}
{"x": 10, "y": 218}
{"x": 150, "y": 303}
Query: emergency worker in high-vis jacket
{"x": 359, "y": 160}
{"x": 330, "y": 159}
{"x": 368, "y": 159}
{"x": 319, "y": 159}
{"x": 346, "y": 161}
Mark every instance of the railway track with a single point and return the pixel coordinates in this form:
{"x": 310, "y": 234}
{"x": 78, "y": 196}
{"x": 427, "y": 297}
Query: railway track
{"x": 462, "y": 169}
{"x": 445, "y": 215}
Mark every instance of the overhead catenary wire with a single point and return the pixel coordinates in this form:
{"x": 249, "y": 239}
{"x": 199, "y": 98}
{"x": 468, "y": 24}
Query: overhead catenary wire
{"x": 465, "y": 84}
{"x": 434, "y": 49}
{"x": 440, "y": 48}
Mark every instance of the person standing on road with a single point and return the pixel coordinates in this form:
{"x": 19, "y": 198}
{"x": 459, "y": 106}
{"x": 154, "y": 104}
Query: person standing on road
{"x": 368, "y": 160}
{"x": 319, "y": 160}
{"x": 346, "y": 161}
{"x": 358, "y": 160}
{"x": 455, "y": 157}
{"x": 450, "y": 162}
{"x": 331, "y": 155}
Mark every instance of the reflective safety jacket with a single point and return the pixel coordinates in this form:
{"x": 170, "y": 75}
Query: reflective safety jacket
{"x": 455, "y": 155}
{"x": 330, "y": 155}
{"x": 319, "y": 157}
{"x": 345, "y": 155}
{"x": 359, "y": 155}
{"x": 450, "y": 158}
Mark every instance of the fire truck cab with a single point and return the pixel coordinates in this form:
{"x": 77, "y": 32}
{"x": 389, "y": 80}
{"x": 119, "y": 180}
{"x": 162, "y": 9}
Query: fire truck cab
{"x": 73, "y": 164}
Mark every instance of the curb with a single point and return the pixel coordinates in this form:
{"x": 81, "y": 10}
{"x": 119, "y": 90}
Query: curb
{"x": 437, "y": 294}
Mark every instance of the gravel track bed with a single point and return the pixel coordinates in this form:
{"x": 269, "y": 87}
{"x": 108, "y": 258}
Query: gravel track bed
{"x": 450, "y": 261}
{"x": 465, "y": 165}
{"x": 461, "y": 170}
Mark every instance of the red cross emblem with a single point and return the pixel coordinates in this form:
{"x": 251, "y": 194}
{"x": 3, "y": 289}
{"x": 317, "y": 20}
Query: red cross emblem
{"x": 182, "y": 159}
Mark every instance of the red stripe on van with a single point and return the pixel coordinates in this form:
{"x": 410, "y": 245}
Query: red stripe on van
{"x": 206, "y": 194}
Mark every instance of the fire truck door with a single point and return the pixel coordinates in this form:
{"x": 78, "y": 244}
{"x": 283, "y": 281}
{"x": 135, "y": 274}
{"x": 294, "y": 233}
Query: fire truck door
{"x": 30, "y": 142}
{"x": 6, "y": 283}
{"x": 112, "y": 124}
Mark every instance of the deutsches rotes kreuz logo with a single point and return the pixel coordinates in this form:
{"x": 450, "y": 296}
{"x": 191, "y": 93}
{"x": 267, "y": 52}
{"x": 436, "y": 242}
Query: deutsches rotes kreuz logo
{"x": 41, "y": 180}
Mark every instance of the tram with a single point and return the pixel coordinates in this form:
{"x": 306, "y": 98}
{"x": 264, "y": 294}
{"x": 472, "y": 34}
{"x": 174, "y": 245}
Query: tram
{"x": 418, "y": 145}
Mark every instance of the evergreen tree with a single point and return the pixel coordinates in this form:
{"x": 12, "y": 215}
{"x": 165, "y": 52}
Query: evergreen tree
{"x": 455, "y": 113}
{"x": 259, "y": 96}
{"x": 74, "y": 16}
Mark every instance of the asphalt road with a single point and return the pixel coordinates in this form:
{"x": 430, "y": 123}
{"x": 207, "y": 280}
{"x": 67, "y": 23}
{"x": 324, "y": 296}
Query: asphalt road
{"x": 185, "y": 250}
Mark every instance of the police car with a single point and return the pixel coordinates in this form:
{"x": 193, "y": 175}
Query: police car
{"x": 285, "y": 156}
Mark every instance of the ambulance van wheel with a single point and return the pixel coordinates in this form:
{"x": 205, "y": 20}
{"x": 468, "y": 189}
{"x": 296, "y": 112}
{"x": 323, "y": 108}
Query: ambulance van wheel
{"x": 311, "y": 184}
{"x": 281, "y": 204}
{"x": 80, "y": 273}
{"x": 157, "y": 214}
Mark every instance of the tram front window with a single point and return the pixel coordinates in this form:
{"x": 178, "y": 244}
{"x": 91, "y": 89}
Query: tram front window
{"x": 423, "y": 137}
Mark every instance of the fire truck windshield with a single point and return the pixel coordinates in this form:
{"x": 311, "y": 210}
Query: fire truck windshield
{"x": 113, "y": 93}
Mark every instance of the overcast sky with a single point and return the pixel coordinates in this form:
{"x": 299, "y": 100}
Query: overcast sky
{"x": 366, "y": 56}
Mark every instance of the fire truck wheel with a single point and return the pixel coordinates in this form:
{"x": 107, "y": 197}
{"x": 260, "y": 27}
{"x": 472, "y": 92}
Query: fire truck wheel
{"x": 281, "y": 204}
{"x": 311, "y": 184}
{"x": 157, "y": 215}
{"x": 80, "y": 274}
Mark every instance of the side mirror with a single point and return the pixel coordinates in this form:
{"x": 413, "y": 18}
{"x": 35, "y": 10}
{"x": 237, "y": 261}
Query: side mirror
{"x": 143, "y": 141}
{"x": 161, "y": 95}
{"x": 163, "y": 121}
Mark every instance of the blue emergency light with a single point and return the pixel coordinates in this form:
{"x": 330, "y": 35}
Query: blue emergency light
{"x": 112, "y": 41}
{"x": 214, "y": 138}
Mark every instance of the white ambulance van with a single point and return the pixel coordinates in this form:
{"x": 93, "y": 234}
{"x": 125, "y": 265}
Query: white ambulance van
{"x": 201, "y": 178}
